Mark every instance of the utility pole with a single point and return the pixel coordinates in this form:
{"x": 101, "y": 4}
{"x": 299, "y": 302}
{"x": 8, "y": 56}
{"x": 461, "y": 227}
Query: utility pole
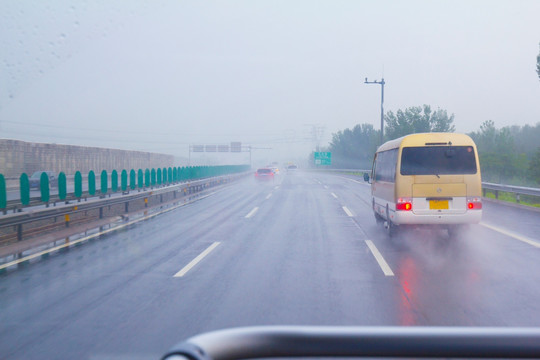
{"x": 382, "y": 103}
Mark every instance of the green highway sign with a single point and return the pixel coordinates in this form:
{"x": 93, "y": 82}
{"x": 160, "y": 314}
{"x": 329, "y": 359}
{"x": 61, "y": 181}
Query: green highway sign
{"x": 323, "y": 158}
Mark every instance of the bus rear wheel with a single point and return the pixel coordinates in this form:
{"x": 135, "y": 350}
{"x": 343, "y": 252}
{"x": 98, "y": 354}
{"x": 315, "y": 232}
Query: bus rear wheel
{"x": 378, "y": 218}
{"x": 391, "y": 229}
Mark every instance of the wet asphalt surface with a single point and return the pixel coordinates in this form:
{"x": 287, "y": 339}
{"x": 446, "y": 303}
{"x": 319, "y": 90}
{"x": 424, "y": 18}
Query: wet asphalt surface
{"x": 295, "y": 251}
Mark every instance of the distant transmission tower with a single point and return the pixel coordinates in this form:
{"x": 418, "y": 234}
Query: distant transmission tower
{"x": 316, "y": 133}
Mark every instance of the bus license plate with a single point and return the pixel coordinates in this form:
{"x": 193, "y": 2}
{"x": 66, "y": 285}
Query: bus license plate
{"x": 438, "y": 204}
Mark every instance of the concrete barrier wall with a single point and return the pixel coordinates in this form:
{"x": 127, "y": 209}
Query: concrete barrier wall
{"x": 18, "y": 156}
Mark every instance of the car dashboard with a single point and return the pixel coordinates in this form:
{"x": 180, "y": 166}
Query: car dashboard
{"x": 395, "y": 342}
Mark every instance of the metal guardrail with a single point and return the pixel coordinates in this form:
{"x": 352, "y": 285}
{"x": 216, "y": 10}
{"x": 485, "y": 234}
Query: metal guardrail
{"x": 518, "y": 190}
{"x": 19, "y": 219}
{"x": 16, "y": 206}
{"x": 320, "y": 341}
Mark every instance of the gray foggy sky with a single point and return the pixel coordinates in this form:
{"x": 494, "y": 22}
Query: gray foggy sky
{"x": 157, "y": 76}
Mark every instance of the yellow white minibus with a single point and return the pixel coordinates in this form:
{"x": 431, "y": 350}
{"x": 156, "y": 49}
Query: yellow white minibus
{"x": 427, "y": 179}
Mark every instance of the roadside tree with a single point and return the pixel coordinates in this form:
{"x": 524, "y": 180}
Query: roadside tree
{"x": 538, "y": 65}
{"x": 534, "y": 167}
{"x": 417, "y": 119}
{"x": 354, "y": 148}
{"x": 499, "y": 159}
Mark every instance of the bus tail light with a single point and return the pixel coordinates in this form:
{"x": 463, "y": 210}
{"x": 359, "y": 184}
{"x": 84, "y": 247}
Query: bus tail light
{"x": 404, "y": 204}
{"x": 474, "y": 203}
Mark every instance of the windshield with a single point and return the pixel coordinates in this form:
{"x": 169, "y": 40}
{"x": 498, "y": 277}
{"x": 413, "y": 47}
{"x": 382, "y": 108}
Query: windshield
{"x": 215, "y": 164}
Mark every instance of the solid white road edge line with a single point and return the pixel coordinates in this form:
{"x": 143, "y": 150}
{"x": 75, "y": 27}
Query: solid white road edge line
{"x": 196, "y": 260}
{"x": 380, "y": 260}
{"x": 252, "y": 212}
{"x": 347, "y": 211}
{"x": 513, "y": 235}
{"x": 334, "y": 195}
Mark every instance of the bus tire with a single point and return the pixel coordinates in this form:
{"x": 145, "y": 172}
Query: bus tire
{"x": 391, "y": 229}
{"x": 378, "y": 218}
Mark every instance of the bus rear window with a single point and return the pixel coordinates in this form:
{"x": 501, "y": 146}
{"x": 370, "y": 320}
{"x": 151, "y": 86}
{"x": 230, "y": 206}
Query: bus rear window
{"x": 438, "y": 160}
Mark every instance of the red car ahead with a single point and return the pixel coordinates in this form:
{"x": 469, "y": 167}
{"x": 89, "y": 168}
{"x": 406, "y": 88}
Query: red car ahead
{"x": 264, "y": 174}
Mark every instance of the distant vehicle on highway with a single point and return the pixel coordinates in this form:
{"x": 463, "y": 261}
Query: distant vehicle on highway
{"x": 292, "y": 167}
{"x": 264, "y": 174}
{"x": 35, "y": 179}
{"x": 275, "y": 169}
{"x": 427, "y": 179}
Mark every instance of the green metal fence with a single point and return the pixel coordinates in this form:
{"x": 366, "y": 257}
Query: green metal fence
{"x": 129, "y": 180}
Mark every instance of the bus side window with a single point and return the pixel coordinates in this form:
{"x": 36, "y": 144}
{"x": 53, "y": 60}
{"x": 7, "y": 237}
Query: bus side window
{"x": 385, "y": 168}
{"x": 376, "y": 168}
{"x": 394, "y": 158}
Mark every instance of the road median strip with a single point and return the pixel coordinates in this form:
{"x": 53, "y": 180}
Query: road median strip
{"x": 70, "y": 243}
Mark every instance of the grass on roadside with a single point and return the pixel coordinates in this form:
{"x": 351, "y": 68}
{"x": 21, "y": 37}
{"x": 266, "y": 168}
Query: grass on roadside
{"x": 355, "y": 173}
{"x": 511, "y": 197}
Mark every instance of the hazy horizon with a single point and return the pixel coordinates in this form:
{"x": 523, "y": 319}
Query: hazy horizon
{"x": 281, "y": 76}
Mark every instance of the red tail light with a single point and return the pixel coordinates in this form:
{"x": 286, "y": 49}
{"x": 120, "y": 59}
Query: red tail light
{"x": 474, "y": 203}
{"x": 404, "y": 204}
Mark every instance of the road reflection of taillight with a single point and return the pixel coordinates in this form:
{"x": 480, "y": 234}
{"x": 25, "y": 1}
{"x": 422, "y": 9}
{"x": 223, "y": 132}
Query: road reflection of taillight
{"x": 408, "y": 275}
{"x": 474, "y": 203}
{"x": 404, "y": 204}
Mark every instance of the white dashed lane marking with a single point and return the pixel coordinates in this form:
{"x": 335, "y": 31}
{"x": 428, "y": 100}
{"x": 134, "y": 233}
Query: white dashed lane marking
{"x": 380, "y": 260}
{"x": 347, "y": 211}
{"x": 252, "y": 212}
{"x": 195, "y": 261}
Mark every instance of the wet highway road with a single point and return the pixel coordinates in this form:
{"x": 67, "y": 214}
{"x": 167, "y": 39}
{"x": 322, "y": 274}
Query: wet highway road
{"x": 304, "y": 250}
